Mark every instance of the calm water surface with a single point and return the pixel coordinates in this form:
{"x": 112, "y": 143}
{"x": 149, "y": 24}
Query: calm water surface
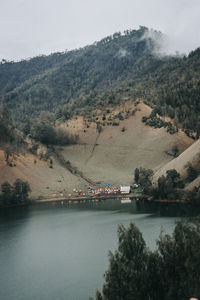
{"x": 60, "y": 253}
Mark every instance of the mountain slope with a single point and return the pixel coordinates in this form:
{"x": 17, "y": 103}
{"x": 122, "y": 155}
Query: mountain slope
{"x": 108, "y": 156}
{"x": 44, "y": 82}
{"x": 94, "y": 92}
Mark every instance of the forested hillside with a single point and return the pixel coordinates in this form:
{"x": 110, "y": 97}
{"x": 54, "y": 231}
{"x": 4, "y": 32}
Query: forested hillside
{"x": 121, "y": 66}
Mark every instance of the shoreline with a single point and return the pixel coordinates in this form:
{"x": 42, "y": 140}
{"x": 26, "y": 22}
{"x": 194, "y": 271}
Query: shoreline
{"x": 98, "y": 198}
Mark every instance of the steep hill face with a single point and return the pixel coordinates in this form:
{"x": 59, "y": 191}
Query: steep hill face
{"x": 190, "y": 155}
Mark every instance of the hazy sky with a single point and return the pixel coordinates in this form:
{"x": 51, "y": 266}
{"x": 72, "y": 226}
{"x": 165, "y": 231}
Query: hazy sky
{"x": 32, "y": 27}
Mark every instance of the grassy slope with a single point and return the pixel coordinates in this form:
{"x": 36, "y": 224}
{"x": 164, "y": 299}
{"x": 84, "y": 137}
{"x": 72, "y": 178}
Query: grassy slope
{"x": 118, "y": 153}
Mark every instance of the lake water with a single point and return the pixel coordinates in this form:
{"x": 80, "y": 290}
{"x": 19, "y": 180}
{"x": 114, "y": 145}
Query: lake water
{"x": 61, "y": 252}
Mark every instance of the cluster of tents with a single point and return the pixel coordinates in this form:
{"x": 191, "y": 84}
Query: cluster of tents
{"x": 103, "y": 189}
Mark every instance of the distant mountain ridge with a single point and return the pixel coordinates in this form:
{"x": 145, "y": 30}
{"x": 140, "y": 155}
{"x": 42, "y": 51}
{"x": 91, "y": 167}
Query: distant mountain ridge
{"x": 122, "y": 64}
{"x": 102, "y": 63}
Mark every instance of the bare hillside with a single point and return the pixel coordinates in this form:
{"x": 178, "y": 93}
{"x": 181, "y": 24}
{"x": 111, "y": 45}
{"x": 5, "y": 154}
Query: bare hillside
{"x": 108, "y": 155}
{"x": 112, "y": 155}
{"x": 43, "y": 180}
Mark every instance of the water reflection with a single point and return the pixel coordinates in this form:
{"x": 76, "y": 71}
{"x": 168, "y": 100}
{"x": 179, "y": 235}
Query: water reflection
{"x": 132, "y": 206}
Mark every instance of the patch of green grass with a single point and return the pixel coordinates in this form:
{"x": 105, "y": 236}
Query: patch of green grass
{"x": 137, "y": 191}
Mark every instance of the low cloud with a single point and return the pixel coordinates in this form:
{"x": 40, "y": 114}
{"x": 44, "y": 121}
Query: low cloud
{"x": 164, "y": 45}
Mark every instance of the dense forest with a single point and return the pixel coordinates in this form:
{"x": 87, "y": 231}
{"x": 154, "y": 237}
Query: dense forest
{"x": 122, "y": 65}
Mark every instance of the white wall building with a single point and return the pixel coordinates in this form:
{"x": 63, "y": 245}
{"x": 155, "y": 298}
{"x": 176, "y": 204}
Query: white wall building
{"x": 125, "y": 189}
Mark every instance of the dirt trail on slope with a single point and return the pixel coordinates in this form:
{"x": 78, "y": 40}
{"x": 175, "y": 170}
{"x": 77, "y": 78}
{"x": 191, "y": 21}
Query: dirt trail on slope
{"x": 74, "y": 170}
{"x": 94, "y": 146}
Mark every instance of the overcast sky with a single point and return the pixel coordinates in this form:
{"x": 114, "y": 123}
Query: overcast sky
{"x": 33, "y": 27}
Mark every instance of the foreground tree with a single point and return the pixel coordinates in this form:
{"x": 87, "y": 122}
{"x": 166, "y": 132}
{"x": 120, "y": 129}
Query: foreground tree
{"x": 172, "y": 271}
{"x": 127, "y": 271}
